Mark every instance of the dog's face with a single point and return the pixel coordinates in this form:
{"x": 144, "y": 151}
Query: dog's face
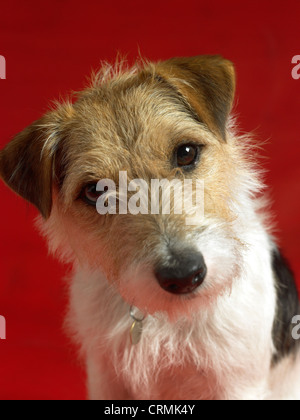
{"x": 162, "y": 121}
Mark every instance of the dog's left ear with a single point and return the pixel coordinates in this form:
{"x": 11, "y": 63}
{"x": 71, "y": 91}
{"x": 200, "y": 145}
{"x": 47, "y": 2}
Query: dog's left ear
{"x": 208, "y": 85}
{"x": 27, "y": 162}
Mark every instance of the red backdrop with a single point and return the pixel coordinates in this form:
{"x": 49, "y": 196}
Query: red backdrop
{"x": 50, "y": 48}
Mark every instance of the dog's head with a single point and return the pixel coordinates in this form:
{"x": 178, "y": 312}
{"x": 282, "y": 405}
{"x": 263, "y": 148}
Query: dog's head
{"x": 167, "y": 120}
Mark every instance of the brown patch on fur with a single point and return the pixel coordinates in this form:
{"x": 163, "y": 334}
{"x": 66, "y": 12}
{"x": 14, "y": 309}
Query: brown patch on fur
{"x": 208, "y": 85}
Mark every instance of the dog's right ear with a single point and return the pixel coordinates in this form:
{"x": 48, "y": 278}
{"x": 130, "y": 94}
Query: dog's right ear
{"x": 27, "y": 162}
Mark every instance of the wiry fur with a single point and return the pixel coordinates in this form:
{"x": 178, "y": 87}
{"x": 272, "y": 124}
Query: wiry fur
{"x": 217, "y": 342}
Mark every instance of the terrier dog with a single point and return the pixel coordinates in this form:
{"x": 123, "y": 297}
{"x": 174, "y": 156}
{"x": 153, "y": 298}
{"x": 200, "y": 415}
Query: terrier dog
{"x": 163, "y": 309}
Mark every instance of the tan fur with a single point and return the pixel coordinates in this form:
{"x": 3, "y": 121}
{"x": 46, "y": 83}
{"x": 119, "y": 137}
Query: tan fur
{"x": 131, "y": 122}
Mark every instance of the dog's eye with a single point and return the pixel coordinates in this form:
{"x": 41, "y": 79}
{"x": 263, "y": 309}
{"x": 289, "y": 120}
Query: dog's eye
{"x": 90, "y": 195}
{"x": 187, "y": 155}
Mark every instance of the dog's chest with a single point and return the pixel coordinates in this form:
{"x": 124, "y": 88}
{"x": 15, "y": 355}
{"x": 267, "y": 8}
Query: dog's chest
{"x": 180, "y": 383}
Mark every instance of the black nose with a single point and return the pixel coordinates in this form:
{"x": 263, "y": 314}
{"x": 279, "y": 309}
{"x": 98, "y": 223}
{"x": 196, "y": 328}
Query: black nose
{"x": 183, "y": 273}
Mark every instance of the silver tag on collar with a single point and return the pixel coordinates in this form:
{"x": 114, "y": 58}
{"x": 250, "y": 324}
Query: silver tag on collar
{"x": 136, "y": 331}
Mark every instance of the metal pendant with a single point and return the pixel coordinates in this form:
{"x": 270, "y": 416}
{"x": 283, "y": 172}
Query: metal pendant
{"x": 136, "y": 331}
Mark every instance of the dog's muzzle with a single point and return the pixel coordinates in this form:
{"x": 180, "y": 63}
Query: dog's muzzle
{"x": 183, "y": 273}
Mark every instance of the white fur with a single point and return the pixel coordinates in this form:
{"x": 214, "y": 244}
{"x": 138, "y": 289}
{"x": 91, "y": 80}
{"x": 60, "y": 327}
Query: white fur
{"x": 215, "y": 342}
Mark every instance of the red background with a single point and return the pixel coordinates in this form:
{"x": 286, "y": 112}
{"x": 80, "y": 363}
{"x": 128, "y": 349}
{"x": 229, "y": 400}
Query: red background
{"x": 50, "y": 48}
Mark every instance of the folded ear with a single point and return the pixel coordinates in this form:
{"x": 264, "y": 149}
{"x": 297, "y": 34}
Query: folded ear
{"x": 208, "y": 85}
{"x": 27, "y": 162}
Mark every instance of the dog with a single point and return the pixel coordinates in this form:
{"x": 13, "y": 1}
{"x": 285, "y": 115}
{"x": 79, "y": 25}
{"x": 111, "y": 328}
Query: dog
{"x": 162, "y": 309}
